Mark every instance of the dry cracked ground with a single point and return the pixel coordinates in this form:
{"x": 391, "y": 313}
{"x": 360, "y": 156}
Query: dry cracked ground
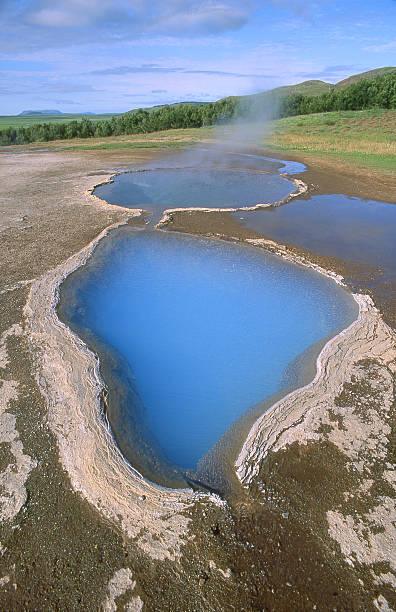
{"x": 313, "y": 529}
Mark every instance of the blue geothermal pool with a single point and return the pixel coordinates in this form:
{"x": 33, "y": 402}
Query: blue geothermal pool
{"x": 207, "y": 328}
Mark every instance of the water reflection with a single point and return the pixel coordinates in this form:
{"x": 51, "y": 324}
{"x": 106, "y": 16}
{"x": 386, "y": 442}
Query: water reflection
{"x": 362, "y": 231}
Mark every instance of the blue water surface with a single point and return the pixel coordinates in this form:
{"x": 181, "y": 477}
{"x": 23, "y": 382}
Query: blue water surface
{"x": 194, "y": 187}
{"x": 208, "y": 327}
{"x": 363, "y": 231}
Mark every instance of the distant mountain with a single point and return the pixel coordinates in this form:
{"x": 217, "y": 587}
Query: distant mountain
{"x": 40, "y": 112}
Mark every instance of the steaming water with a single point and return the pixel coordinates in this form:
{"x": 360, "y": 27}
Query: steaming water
{"x": 207, "y": 328}
{"x": 157, "y": 190}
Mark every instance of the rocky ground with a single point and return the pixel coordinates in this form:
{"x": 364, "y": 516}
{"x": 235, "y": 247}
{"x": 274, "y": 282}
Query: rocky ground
{"x": 311, "y": 527}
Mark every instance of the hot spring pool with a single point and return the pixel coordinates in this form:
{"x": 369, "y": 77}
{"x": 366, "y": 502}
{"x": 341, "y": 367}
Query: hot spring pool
{"x": 157, "y": 190}
{"x": 200, "y": 330}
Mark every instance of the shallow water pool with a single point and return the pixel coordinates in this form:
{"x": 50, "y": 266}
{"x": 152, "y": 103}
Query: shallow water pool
{"x": 156, "y": 190}
{"x": 363, "y": 231}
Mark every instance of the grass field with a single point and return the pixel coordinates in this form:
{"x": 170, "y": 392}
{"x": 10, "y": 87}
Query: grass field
{"x": 17, "y": 121}
{"x": 366, "y": 138}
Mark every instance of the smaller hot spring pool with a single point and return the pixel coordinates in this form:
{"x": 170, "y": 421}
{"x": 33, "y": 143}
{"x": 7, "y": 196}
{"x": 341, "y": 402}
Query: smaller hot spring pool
{"x": 157, "y": 190}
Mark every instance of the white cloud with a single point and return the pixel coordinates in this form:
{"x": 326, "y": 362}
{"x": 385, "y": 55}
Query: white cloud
{"x": 391, "y": 46}
{"x": 205, "y": 16}
{"x": 69, "y": 13}
{"x": 172, "y": 16}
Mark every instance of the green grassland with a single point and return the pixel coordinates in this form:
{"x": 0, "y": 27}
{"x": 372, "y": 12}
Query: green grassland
{"x": 366, "y": 138}
{"x": 17, "y": 121}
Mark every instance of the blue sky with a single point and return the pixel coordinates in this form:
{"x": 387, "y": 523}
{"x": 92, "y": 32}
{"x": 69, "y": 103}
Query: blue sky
{"x": 114, "y": 55}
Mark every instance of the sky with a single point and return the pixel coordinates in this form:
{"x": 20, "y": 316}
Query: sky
{"x": 115, "y": 55}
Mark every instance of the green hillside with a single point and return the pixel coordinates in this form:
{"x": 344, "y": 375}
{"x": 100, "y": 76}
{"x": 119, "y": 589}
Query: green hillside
{"x": 306, "y": 88}
{"x": 370, "y": 74}
{"x": 315, "y": 87}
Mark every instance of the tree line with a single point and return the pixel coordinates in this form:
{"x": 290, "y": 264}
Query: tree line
{"x": 366, "y": 93}
{"x": 134, "y": 122}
